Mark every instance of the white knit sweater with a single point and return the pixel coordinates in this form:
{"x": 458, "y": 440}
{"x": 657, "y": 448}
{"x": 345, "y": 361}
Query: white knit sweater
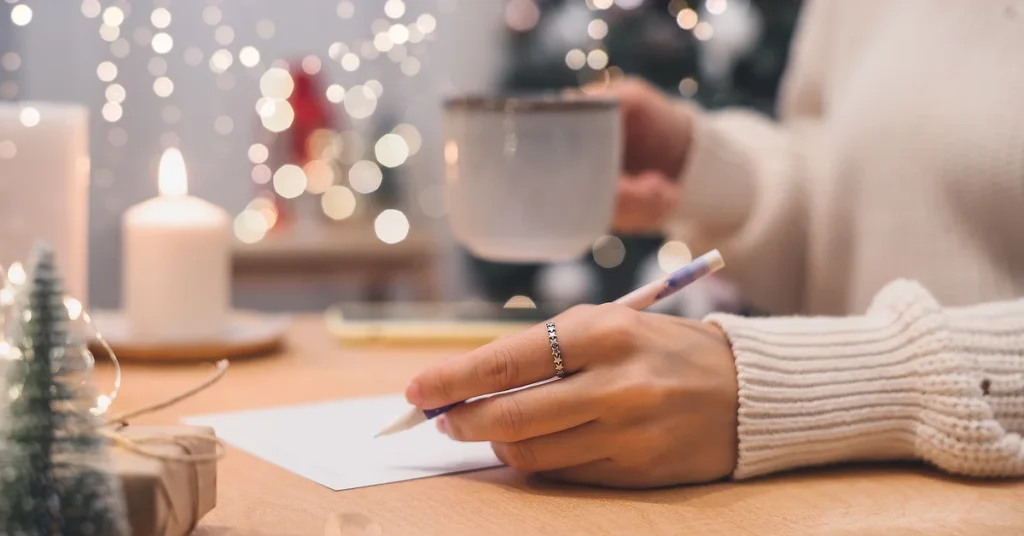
{"x": 898, "y": 155}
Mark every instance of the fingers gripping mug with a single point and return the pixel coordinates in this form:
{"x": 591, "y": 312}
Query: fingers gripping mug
{"x": 531, "y": 179}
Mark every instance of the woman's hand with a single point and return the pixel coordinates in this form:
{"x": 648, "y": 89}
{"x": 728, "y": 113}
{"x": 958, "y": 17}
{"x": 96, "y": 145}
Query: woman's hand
{"x": 657, "y": 134}
{"x": 650, "y": 400}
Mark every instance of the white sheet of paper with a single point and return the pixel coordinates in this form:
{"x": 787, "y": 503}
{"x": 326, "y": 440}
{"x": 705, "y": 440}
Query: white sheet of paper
{"x": 332, "y": 443}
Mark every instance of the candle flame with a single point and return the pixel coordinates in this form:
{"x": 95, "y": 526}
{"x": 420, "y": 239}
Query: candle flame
{"x": 173, "y": 178}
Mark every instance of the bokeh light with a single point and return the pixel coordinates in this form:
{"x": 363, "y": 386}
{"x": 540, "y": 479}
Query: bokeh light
{"x": 276, "y": 83}
{"x": 221, "y": 60}
{"x": 687, "y": 19}
{"x": 289, "y": 181}
{"x": 258, "y": 153}
{"x": 597, "y": 29}
{"x": 193, "y": 56}
{"x": 350, "y": 62}
{"x": 716, "y": 7}
{"x": 411, "y": 135}
{"x": 8, "y": 150}
{"x": 163, "y": 87}
{"x": 336, "y": 50}
{"x": 394, "y": 8}
{"x": 410, "y": 66}
{"x": 224, "y": 125}
{"x": 521, "y": 15}
{"x": 120, "y": 48}
{"x": 212, "y": 15}
{"x": 311, "y": 65}
{"x": 426, "y": 23}
{"x": 162, "y": 43}
{"x": 434, "y": 201}
{"x": 109, "y": 33}
{"x": 21, "y": 15}
{"x": 360, "y": 102}
{"x": 346, "y": 9}
{"x": 29, "y": 116}
{"x": 365, "y": 177}
{"x": 375, "y": 86}
{"x": 391, "y": 226}
{"x": 319, "y": 176}
{"x": 250, "y": 226}
{"x": 338, "y": 202}
{"x": 673, "y": 255}
{"x": 391, "y": 150}
{"x": 249, "y": 56}
{"x": 703, "y": 31}
{"x": 10, "y": 61}
{"x": 688, "y": 87}
{"x": 597, "y": 59}
{"x": 575, "y": 59}
{"x": 261, "y": 174}
{"x": 160, "y": 18}
{"x": 398, "y": 53}
{"x": 280, "y": 118}
{"x": 608, "y": 251}
{"x": 398, "y": 33}
{"x": 520, "y": 301}
{"x": 224, "y": 35}
{"x": 266, "y": 29}
{"x": 115, "y": 93}
{"x": 91, "y": 9}
{"x": 335, "y": 93}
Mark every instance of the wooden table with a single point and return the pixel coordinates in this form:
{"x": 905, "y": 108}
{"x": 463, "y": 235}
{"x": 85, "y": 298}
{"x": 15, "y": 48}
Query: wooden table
{"x": 348, "y": 249}
{"x": 259, "y": 499}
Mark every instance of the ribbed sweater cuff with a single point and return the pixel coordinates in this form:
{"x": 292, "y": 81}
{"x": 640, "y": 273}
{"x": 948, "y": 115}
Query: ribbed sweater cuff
{"x": 889, "y": 385}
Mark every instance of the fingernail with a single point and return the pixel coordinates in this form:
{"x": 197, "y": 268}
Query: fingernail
{"x": 442, "y": 425}
{"x": 413, "y": 395}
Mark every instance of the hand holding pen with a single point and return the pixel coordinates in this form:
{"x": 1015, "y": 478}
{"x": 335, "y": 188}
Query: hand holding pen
{"x": 637, "y": 391}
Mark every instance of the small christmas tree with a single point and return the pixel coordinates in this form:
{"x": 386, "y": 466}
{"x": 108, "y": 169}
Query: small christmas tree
{"x": 54, "y": 471}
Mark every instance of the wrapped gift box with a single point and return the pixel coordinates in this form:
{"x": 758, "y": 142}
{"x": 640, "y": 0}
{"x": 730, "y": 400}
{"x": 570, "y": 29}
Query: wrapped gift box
{"x": 165, "y": 497}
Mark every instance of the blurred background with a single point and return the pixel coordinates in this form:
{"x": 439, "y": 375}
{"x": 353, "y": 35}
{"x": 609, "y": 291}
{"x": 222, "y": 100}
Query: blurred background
{"x": 316, "y": 125}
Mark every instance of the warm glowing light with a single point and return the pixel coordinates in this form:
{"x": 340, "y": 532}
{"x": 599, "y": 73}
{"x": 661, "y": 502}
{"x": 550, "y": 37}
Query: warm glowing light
{"x": 335, "y": 93}
{"x": 451, "y": 152}
{"x": 391, "y": 150}
{"x": 602, "y": 4}
{"x": 250, "y": 226}
{"x": 687, "y": 19}
{"x": 703, "y": 31}
{"x": 410, "y": 66}
{"x": 74, "y": 308}
{"x": 276, "y": 83}
{"x": 311, "y": 65}
{"x": 597, "y": 59}
{"x": 338, "y": 202}
{"x": 426, "y": 23}
{"x": 265, "y": 207}
{"x": 391, "y": 226}
{"x": 375, "y": 86}
{"x": 221, "y": 60}
{"x": 350, "y": 62}
{"x": 575, "y": 59}
{"x": 212, "y": 15}
{"x": 8, "y": 90}
{"x": 21, "y": 15}
{"x": 398, "y": 33}
{"x": 716, "y": 7}
{"x": 688, "y": 87}
{"x": 673, "y": 255}
{"x": 520, "y": 302}
{"x": 281, "y": 117}
{"x": 106, "y": 71}
{"x": 319, "y": 176}
{"x": 161, "y": 18}
{"x": 383, "y": 42}
{"x": 109, "y": 33}
{"x": 172, "y": 178}
{"x": 249, "y": 56}
{"x": 360, "y": 102}
{"x": 162, "y": 43}
{"x": 411, "y": 135}
{"x": 289, "y": 181}
{"x": 415, "y": 34}
{"x": 394, "y": 8}
{"x": 112, "y": 112}
{"x": 16, "y": 274}
{"x": 597, "y": 29}
{"x": 266, "y": 107}
{"x": 258, "y": 153}
{"x": 608, "y": 251}
{"x": 365, "y": 177}
{"x": 346, "y": 9}
{"x": 224, "y": 35}
{"x": 629, "y": 4}
{"x": 521, "y": 15}
{"x": 10, "y": 61}
{"x": 29, "y": 116}
{"x": 163, "y": 87}
{"x": 266, "y": 29}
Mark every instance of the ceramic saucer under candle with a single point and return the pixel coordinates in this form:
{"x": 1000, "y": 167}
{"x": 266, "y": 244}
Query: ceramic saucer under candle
{"x": 249, "y": 334}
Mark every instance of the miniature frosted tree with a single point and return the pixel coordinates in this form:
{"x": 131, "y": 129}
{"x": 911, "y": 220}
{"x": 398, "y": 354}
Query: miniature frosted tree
{"x": 54, "y": 466}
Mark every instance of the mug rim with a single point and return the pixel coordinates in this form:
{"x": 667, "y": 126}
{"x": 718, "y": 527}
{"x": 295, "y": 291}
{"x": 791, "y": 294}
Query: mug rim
{"x": 542, "y": 102}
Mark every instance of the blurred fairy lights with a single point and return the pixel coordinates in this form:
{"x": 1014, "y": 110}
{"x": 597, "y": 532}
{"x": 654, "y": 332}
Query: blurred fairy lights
{"x": 21, "y": 15}
{"x": 344, "y": 165}
{"x": 673, "y": 255}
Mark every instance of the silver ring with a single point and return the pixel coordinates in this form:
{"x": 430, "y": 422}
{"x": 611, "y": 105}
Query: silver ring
{"x": 556, "y": 352}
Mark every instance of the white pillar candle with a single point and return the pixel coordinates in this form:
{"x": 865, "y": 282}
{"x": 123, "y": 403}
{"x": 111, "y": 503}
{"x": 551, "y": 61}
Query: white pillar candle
{"x": 44, "y": 186}
{"x": 177, "y": 263}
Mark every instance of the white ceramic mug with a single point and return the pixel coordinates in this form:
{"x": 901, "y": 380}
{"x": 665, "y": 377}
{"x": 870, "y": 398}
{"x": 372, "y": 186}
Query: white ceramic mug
{"x": 531, "y": 179}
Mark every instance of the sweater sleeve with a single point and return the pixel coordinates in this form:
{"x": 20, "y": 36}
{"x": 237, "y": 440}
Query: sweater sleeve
{"x": 743, "y": 188}
{"x": 908, "y": 380}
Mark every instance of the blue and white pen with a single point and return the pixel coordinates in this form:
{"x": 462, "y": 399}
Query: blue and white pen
{"x": 639, "y": 299}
